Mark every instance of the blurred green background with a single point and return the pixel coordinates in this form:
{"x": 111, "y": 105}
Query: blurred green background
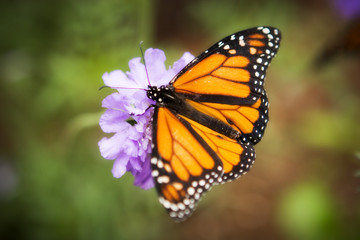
{"x": 55, "y": 185}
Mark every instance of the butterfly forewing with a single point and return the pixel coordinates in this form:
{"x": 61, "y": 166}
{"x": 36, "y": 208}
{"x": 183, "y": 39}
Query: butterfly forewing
{"x": 232, "y": 72}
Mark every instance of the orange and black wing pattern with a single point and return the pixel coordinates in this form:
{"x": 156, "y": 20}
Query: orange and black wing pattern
{"x": 208, "y": 119}
{"x": 189, "y": 158}
{"x": 227, "y": 81}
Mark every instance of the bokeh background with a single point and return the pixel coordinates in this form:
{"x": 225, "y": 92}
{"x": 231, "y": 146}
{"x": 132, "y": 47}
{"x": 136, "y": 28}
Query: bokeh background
{"x": 55, "y": 185}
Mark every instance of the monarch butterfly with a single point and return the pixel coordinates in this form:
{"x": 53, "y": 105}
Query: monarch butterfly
{"x": 209, "y": 117}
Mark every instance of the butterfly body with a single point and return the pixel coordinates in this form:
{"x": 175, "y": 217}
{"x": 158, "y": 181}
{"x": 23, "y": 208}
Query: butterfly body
{"x": 209, "y": 117}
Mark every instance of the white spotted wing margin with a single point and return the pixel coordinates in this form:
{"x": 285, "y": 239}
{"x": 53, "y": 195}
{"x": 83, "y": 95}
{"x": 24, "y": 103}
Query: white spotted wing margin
{"x": 180, "y": 197}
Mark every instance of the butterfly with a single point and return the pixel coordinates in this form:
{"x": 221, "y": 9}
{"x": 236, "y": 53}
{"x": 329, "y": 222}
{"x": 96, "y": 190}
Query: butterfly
{"x": 207, "y": 120}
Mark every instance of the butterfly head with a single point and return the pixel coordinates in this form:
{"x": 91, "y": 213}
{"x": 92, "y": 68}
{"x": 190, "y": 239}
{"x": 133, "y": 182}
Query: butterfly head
{"x": 163, "y": 95}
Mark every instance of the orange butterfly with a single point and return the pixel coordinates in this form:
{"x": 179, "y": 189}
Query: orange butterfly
{"x": 209, "y": 117}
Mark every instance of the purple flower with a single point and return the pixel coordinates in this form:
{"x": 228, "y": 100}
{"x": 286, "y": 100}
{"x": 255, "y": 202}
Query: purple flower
{"x": 128, "y": 115}
{"x": 348, "y": 9}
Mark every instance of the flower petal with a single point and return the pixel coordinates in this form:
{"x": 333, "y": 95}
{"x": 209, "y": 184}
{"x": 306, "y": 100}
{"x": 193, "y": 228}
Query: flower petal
{"x": 138, "y": 104}
{"x": 114, "y": 79}
{"x": 131, "y": 148}
{"x": 119, "y": 167}
{"x": 114, "y": 121}
{"x": 114, "y": 101}
{"x": 155, "y": 62}
{"x": 143, "y": 178}
{"x": 143, "y": 120}
{"x": 137, "y": 73}
{"x": 183, "y": 61}
{"x": 110, "y": 148}
{"x": 118, "y": 80}
{"x": 136, "y": 164}
{"x": 177, "y": 67}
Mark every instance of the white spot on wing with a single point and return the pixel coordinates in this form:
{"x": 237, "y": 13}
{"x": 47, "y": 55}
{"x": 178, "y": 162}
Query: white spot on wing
{"x": 160, "y": 164}
{"x": 191, "y": 190}
{"x": 266, "y": 30}
{"x": 241, "y": 41}
{"x": 163, "y": 179}
{"x": 155, "y": 173}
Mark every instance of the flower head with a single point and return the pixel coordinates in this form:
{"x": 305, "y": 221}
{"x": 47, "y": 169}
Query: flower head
{"x": 128, "y": 115}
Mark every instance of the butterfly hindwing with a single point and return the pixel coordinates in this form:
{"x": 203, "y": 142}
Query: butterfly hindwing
{"x": 183, "y": 167}
{"x": 236, "y": 157}
{"x": 189, "y": 158}
{"x": 248, "y": 120}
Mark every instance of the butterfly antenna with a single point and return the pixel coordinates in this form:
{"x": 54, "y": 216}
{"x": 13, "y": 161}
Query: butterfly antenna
{"x": 142, "y": 54}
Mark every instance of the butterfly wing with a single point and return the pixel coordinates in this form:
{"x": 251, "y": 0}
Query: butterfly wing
{"x": 188, "y": 158}
{"x": 227, "y": 81}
